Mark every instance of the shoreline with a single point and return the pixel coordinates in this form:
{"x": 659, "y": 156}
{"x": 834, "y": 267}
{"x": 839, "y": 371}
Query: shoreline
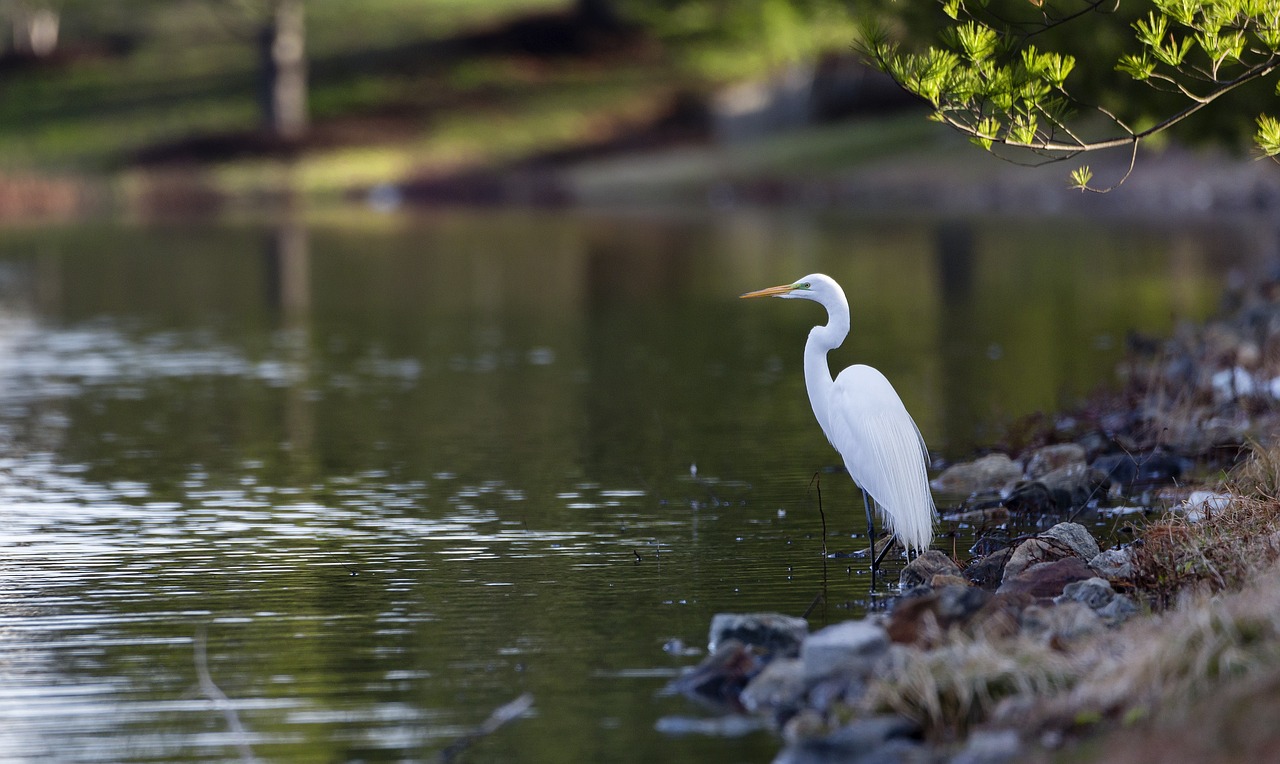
{"x": 1051, "y": 647}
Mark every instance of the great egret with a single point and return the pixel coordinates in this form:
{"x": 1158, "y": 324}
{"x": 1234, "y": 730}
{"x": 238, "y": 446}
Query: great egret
{"x": 863, "y": 417}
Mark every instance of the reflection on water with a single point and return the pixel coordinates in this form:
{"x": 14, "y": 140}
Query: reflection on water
{"x": 400, "y": 472}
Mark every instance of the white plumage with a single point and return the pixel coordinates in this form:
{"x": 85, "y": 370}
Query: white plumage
{"x": 865, "y": 420}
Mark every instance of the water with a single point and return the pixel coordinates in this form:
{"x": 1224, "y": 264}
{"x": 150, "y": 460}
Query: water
{"x": 379, "y": 476}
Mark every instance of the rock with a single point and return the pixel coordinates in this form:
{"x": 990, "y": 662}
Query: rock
{"x": 923, "y": 568}
{"x": 884, "y": 738}
{"x": 987, "y": 572}
{"x": 1046, "y": 580}
{"x": 986, "y": 516}
{"x": 722, "y": 675}
{"x": 1060, "y": 624}
{"x": 1076, "y": 537}
{"x": 1149, "y": 468}
{"x": 943, "y": 580}
{"x": 1118, "y": 610}
{"x": 1114, "y": 564}
{"x": 773, "y": 633}
{"x": 1075, "y": 485}
{"x": 1052, "y": 458}
{"x": 848, "y": 648}
{"x": 990, "y": 747}
{"x": 1000, "y": 617}
{"x": 990, "y": 473}
{"x": 778, "y": 689}
{"x": 1094, "y": 593}
{"x": 1202, "y": 504}
{"x": 1072, "y": 486}
{"x": 922, "y": 620}
{"x": 1062, "y": 540}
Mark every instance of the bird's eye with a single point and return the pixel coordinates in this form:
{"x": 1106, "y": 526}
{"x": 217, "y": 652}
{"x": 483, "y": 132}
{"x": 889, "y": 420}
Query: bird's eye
{"x": 805, "y": 285}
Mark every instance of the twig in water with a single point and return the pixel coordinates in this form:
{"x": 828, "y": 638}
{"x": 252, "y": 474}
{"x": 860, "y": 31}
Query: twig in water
{"x": 501, "y": 716}
{"x": 219, "y": 698}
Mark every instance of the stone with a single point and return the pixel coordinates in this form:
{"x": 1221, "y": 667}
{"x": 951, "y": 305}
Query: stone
{"x": 1062, "y": 540}
{"x": 1118, "y": 610}
{"x": 1075, "y": 485}
{"x": 722, "y": 675}
{"x": 989, "y": 473}
{"x": 1055, "y": 457}
{"x": 778, "y": 689}
{"x": 848, "y": 648}
{"x": 882, "y": 738}
{"x": 1144, "y": 468}
{"x": 1060, "y": 624}
{"x": 1114, "y": 564}
{"x": 988, "y": 571}
{"x": 1075, "y": 536}
{"x": 990, "y": 747}
{"x": 774, "y": 633}
{"x": 1046, "y": 580}
{"x": 996, "y": 515}
{"x": 924, "y": 619}
{"x": 1094, "y": 593}
{"x": 923, "y": 568}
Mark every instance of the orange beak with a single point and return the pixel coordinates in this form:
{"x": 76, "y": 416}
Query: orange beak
{"x": 776, "y": 291}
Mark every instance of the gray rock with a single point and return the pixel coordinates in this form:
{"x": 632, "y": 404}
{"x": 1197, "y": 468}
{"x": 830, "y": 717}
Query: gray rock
{"x": 990, "y": 747}
{"x": 1059, "y": 624}
{"x": 1115, "y": 564}
{"x": 1052, "y": 458}
{"x": 779, "y": 688}
{"x": 1075, "y": 536}
{"x": 1062, "y": 540}
{"x": 1074, "y": 485}
{"x": 923, "y": 568}
{"x": 1094, "y": 593}
{"x": 990, "y": 473}
{"x": 1118, "y": 610}
{"x": 987, "y": 572}
{"x": 772, "y": 632}
{"x": 885, "y": 738}
{"x": 848, "y": 648}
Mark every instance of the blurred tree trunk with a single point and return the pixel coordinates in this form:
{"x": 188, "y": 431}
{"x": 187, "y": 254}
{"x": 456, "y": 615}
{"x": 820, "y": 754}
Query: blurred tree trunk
{"x": 283, "y": 47}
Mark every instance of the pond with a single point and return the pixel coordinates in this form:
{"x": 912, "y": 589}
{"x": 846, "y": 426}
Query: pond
{"x": 335, "y": 490}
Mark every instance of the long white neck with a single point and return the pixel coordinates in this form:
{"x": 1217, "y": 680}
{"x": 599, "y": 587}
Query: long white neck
{"x": 817, "y": 374}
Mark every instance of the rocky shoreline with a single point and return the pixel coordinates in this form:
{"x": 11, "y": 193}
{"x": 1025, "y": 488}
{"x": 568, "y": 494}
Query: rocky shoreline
{"x": 1051, "y": 641}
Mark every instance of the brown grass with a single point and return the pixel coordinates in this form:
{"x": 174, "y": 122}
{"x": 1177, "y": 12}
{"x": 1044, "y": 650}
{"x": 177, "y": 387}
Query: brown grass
{"x": 1216, "y": 629}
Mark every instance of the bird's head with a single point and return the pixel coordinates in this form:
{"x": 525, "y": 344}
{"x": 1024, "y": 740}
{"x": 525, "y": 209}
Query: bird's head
{"x": 816, "y": 286}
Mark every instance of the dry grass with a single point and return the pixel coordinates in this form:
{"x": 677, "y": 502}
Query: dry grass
{"x": 1217, "y": 586}
{"x": 957, "y": 685}
{"x": 1224, "y": 551}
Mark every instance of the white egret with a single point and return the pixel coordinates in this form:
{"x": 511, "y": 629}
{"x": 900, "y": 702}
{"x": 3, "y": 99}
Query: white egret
{"x": 863, "y": 417}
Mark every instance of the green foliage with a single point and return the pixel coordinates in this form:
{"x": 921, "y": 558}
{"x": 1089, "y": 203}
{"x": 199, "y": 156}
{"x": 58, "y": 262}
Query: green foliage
{"x": 1006, "y": 72}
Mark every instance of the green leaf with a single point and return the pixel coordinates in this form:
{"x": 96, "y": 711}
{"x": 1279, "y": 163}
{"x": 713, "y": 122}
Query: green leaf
{"x": 1268, "y": 135}
{"x": 1080, "y": 177}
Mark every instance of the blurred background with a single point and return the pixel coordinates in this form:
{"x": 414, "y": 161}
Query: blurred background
{"x": 382, "y": 361}
{"x": 162, "y": 106}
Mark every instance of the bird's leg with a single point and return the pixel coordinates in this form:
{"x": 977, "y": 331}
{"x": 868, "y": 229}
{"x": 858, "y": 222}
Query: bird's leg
{"x": 871, "y": 534}
{"x": 887, "y": 546}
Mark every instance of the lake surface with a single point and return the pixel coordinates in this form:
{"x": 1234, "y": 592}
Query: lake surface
{"x": 336, "y": 490}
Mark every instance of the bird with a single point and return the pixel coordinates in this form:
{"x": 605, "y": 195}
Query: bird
{"x": 866, "y": 421}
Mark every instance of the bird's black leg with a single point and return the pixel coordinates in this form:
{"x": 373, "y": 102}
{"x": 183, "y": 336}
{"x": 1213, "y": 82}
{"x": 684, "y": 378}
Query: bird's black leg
{"x": 871, "y": 534}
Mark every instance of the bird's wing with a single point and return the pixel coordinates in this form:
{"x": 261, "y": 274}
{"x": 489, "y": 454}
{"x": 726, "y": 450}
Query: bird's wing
{"x": 883, "y": 451}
